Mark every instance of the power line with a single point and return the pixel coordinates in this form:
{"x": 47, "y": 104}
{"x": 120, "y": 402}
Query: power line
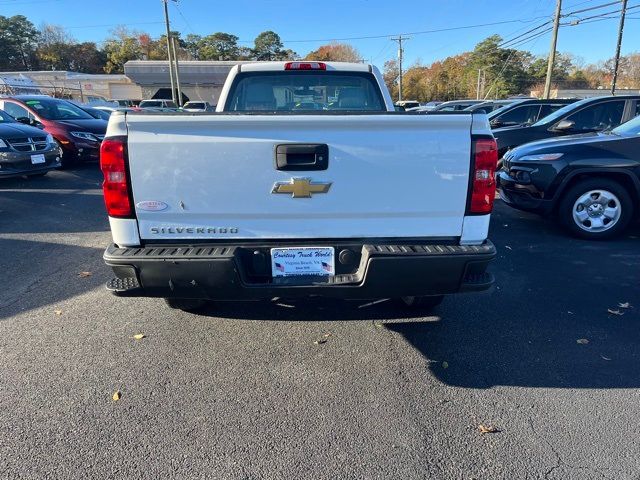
{"x": 423, "y": 32}
{"x": 505, "y": 42}
{"x": 535, "y": 36}
{"x": 112, "y": 25}
{"x": 184, "y": 18}
{"x": 590, "y": 8}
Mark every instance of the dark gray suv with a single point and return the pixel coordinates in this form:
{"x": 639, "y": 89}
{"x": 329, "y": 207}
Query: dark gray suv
{"x": 24, "y": 150}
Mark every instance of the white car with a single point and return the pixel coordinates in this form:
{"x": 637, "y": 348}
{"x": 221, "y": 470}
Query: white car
{"x": 158, "y": 105}
{"x": 272, "y": 200}
{"x": 197, "y": 106}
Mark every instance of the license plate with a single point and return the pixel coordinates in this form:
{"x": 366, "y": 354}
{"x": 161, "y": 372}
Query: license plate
{"x": 35, "y": 159}
{"x": 286, "y": 262}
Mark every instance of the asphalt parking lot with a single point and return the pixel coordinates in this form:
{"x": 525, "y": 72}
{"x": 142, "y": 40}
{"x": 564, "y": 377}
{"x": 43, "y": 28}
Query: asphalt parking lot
{"x": 244, "y": 391}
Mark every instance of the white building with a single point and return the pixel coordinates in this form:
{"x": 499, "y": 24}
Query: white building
{"x": 82, "y": 87}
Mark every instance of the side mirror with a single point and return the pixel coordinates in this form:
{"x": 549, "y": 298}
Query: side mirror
{"x": 564, "y": 126}
{"x": 25, "y": 120}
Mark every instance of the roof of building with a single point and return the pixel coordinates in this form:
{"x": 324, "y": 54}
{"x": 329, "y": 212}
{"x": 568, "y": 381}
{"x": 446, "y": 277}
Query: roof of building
{"x": 192, "y": 72}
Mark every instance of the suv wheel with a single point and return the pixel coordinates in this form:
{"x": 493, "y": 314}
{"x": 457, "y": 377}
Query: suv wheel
{"x": 186, "y": 304}
{"x": 596, "y": 209}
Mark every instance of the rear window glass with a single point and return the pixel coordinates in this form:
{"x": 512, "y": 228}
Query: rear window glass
{"x": 295, "y": 91}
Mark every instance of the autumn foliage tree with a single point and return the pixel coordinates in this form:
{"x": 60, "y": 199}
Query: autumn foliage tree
{"x": 335, "y": 52}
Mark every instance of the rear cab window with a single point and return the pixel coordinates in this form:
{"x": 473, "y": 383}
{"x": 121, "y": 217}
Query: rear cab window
{"x": 305, "y": 91}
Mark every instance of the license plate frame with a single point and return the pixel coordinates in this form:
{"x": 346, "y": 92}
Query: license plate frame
{"x": 38, "y": 159}
{"x": 302, "y": 261}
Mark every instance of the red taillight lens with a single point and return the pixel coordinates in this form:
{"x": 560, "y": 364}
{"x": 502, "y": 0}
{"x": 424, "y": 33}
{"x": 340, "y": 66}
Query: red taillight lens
{"x": 305, "y": 66}
{"x": 113, "y": 157}
{"x": 483, "y": 185}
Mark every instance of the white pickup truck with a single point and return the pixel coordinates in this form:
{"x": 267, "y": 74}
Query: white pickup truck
{"x": 304, "y": 182}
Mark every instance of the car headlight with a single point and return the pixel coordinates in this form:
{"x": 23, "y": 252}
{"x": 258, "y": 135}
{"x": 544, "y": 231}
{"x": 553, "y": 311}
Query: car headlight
{"x": 2, "y": 144}
{"x": 85, "y": 136}
{"x": 542, "y": 157}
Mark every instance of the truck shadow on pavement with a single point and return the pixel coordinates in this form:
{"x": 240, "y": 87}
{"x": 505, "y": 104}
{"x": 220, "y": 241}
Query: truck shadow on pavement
{"x": 46, "y": 274}
{"x": 565, "y": 313}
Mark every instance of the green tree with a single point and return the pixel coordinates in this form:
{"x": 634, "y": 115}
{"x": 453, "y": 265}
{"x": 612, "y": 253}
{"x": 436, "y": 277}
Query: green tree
{"x": 268, "y": 46}
{"x": 192, "y": 45}
{"x": 18, "y": 38}
{"x": 218, "y": 46}
{"x": 121, "y": 47}
{"x": 54, "y": 50}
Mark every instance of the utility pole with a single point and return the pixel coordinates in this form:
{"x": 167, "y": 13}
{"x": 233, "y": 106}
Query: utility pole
{"x": 400, "y": 39}
{"x": 166, "y": 21}
{"x": 552, "y": 51}
{"x": 616, "y": 64}
{"x": 174, "y": 40}
{"x": 482, "y": 78}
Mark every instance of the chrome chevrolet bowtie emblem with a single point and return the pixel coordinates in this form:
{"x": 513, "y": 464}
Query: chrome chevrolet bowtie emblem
{"x": 301, "y": 187}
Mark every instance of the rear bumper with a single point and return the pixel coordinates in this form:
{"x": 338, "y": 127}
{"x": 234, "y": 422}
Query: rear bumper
{"x": 239, "y": 272}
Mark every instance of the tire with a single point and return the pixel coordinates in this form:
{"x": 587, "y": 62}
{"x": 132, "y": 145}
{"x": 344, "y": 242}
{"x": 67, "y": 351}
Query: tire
{"x": 66, "y": 160}
{"x": 596, "y": 209}
{"x": 185, "y": 304}
{"x": 425, "y": 303}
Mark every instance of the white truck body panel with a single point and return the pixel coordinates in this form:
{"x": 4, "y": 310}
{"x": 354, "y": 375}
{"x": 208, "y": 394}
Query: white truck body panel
{"x": 391, "y": 175}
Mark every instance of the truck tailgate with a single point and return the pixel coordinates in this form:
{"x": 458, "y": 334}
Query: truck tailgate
{"x": 213, "y": 176}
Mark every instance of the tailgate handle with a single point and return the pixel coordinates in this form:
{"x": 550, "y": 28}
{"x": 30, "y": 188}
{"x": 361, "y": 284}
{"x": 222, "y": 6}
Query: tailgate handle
{"x": 299, "y": 157}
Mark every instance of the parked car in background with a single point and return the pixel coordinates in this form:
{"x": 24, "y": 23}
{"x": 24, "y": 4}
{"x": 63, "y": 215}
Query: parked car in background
{"x": 25, "y": 150}
{"x": 455, "y": 105}
{"x": 526, "y": 112}
{"x": 100, "y": 113}
{"x": 198, "y": 106}
{"x": 591, "y": 182}
{"x": 78, "y": 133}
{"x": 407, "y": 104}
{"x": 427, "y": 107}
{"x": 589, "y": 115}
{"x": 488, "y": 106}
{"x": 158, "y": 105}
{"x": 126, "y": 103}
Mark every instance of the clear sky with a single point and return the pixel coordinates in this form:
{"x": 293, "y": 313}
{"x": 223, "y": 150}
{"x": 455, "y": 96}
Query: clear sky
{"x": 303, "y": 25}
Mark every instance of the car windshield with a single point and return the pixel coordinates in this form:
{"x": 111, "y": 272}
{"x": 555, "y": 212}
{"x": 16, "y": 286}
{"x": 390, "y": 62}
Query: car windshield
{"x": 562, "y": 112}
{"x": 54, "y": 109}
{"x": 629, "y": 129}
{"x": 498, "y": 111}
{"x": 6, "y": 118}
{"x": 300, "y": 91}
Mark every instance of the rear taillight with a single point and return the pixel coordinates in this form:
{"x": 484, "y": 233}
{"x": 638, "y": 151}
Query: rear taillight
{"x": 305, "y": 66}
{"x": 483, "y": 181}
{"x": 113, "y": 163}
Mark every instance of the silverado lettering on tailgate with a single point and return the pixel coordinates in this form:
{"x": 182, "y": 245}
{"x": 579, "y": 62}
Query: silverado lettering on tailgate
{"x": 203, "y": 230}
